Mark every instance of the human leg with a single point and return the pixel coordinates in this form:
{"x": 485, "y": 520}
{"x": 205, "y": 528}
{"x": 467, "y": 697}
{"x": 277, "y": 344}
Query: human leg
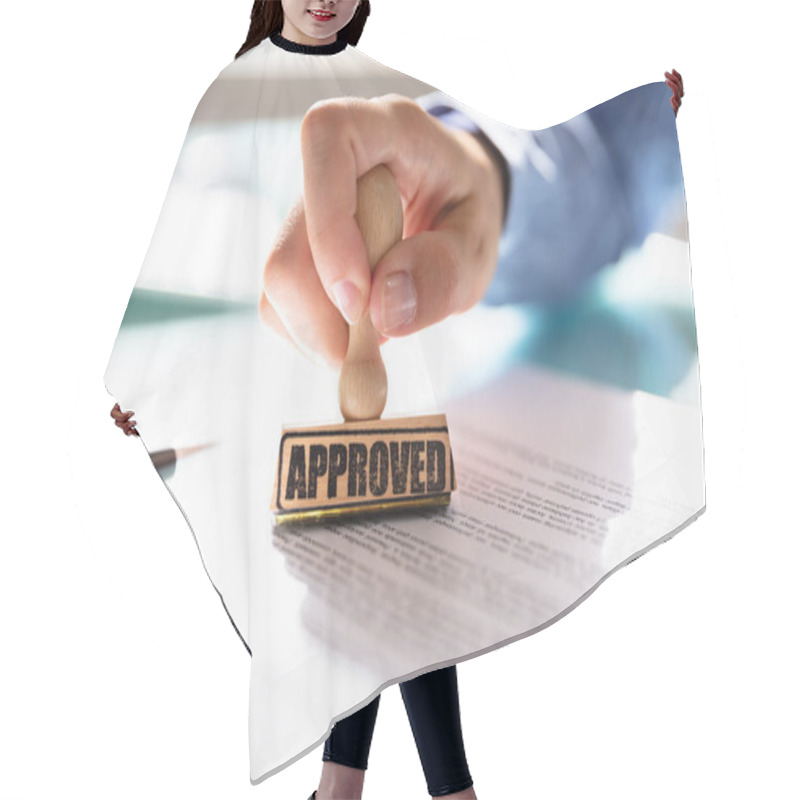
{"x": 434, "y": 713}
{"x": 346, "y": 753}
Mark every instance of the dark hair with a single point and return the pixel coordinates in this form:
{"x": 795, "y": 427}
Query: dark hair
{"x": 266, "y": 18}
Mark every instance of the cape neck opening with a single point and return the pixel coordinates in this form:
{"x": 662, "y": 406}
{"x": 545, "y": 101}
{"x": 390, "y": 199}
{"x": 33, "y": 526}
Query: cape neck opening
{"x": 308, "y": 49}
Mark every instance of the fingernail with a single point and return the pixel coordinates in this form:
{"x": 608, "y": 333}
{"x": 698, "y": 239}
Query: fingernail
{"x": 399, "y": 301}
{"x": 348, "y": 300}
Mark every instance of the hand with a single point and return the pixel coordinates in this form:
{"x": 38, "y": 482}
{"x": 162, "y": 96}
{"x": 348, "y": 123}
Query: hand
{"x": 675, "y": 82}
{"x": 124, "y": 421}
{"x": 317, "y": 273}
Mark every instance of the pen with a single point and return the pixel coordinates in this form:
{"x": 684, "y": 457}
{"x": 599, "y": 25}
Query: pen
{"x": 165, "y": 460}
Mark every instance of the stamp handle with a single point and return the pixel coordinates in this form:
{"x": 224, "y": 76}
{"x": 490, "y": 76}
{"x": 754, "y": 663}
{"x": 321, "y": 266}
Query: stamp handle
{"x": 379, "y": 215}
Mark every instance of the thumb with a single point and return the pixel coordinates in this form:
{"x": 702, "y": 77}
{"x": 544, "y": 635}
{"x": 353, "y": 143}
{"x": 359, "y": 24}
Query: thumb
{"x": 420, "y": 281}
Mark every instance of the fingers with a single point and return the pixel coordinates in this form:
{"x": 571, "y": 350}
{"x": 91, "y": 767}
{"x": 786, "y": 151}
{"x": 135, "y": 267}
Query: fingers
{"x": 415, "y": 285}
{"x": 342, "y": 140}
{"x": 126, "y": 425}
{"x": 675, "y": 83}
{"x": 123, "y": 420}
{"x": 317, "y": 278}
{"x": 447, "y": 266}
{"x": 328, "y": 144}
{"x": 675, "y": 75}
{"x": 294, "y": 302}
{"x": 427, "y": 277}
{"x": 119, "y": 415}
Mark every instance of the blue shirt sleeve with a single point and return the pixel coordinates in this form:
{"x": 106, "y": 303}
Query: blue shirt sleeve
{"x": 581, "y": 192}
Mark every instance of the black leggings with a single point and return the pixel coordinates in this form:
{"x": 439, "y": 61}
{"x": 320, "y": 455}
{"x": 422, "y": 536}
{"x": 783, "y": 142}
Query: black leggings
{"x": 433, "y": 711}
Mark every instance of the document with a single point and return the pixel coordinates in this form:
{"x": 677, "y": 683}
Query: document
{"x": 560, "y": 481}
{"x": 530, "y": 533}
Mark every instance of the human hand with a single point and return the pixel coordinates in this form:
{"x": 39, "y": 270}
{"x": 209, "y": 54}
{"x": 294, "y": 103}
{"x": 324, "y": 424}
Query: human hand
{"x": 675, "y": 82}
{"x": 124, "y": 421}
{"x": 317, "y": 275}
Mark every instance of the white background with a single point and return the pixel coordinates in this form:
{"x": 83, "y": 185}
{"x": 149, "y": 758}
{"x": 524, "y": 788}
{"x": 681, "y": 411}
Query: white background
{"x": 120, "y": 675}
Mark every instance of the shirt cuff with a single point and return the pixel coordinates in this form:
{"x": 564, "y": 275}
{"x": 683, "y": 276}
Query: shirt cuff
{"x": 453, "y": 118}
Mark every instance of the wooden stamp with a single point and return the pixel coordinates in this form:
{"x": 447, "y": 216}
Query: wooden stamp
{"x": 365, "y": 464}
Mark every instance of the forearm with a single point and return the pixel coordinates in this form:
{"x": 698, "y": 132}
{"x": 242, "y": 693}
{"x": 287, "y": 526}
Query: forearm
{"x": 578, "y": 194}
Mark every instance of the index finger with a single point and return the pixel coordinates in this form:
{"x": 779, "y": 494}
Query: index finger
{"x": 341, "y": 140}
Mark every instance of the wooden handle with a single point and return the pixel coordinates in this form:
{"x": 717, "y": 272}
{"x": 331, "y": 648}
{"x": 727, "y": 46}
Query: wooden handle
{"x": 379, "y": 215}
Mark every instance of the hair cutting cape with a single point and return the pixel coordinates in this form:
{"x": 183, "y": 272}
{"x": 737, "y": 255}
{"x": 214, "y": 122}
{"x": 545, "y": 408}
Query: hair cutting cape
{"x": 571, "y": 392}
